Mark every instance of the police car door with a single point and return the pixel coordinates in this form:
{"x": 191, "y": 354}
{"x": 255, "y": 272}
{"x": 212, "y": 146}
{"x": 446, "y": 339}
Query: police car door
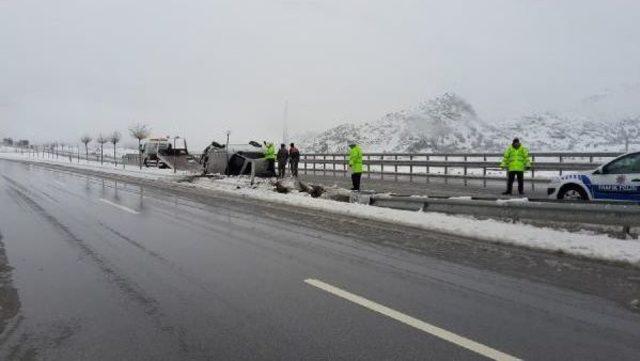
{"x": 618, "y": 180}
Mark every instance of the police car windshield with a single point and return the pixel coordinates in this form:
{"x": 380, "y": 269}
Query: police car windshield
{"x": 625, "y": 165}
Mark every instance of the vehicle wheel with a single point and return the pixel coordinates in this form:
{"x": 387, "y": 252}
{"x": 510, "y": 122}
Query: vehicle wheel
{"x": 146, "y": 163}
{"x": 572, "y": 192}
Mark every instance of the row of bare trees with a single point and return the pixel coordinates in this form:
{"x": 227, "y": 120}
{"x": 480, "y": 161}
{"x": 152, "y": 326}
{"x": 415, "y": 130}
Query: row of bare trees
{"x": 138, "y": 131}
{"x": 113, "y": 138}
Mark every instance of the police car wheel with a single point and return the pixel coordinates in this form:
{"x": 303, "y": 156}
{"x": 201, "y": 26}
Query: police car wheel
{"x": 572, "y": 192}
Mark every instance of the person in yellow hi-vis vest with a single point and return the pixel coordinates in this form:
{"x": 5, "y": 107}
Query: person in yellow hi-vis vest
{"x": 515, "y": 161}
{"x": 270, "y": 156}
{"x": 355, "y": 164}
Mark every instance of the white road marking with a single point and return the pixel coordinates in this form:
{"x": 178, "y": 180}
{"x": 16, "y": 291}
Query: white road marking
{"x": 414, "y": 322}
{"x": 119, "y": 206}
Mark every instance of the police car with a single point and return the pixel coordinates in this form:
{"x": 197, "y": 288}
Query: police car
{"x": 618, "y": 180}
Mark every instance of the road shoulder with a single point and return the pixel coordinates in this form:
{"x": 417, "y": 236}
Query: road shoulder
{"x": 9, "y": 301}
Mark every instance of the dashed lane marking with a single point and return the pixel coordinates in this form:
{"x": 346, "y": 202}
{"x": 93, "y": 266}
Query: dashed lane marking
{"x": 414, "y": 322}
{"x": 126, "y": 209}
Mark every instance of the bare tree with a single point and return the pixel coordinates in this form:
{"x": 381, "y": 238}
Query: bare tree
{"x": 86, "y": 139}
{"x": 101, "y": 139}
{"x": 140, "y": 131}
{"x": 114, "y": 139}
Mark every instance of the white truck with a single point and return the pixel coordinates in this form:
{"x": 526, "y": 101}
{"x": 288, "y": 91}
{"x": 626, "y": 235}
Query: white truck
{"x": 168, "y": 153}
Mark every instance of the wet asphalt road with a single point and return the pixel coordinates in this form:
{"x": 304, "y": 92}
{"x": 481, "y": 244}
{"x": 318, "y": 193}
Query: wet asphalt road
{"x": 115, "y": 271}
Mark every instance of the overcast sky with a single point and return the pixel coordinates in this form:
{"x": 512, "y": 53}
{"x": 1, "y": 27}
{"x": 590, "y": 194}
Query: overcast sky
{"x": 198, "y": 68}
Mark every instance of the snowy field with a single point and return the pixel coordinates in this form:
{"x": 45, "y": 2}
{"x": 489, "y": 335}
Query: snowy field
{"x": 584, "y": 243}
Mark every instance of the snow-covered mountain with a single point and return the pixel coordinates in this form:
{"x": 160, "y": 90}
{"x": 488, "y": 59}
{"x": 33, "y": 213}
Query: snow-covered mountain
{"x": 448, "y": 123}
{"x": 552, "y": 132}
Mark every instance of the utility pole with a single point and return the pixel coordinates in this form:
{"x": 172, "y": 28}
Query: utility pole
{"x": 284, "y": 121}
{"x": 226, "y": 148}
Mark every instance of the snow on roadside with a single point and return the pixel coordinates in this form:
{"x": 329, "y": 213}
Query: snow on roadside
{"x": 581, "y": 244}
{"x": 129, "y": 170}
{"x": 584, "y": 244}
{"x": 513, "y": 200}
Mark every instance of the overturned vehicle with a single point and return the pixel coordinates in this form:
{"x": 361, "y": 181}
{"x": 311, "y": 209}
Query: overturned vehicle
{"x": 236, "y": 159}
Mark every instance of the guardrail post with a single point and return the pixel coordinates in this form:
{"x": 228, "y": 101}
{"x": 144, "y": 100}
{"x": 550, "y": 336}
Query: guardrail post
{"x": 345, "y": 165}
{"x": 334, "y": 165}
{"x": 410, "y": 169}
{"x": 533, "y": 176}
{"x": 484, "y": 171}
{"x": 428, "y": 170}
{"x": 465, "y": 171}
{"x": 304, "y": 164}
{"x": 314, "y": 164}
{"x": 324, "y": 164}
{"x": 446, "y": 170}
{"x": 368, "y": 166}
{"x": 533, "y": 173}
{"x": 561, "y": 162}
{"x": 381, "y": 167}
{"x": 396, "y": 167}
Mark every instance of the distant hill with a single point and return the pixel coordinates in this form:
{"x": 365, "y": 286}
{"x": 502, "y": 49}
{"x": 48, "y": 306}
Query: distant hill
{"x": 448, "y": 123}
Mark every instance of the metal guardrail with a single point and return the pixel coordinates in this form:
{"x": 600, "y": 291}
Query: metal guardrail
{"x": 73, "y": 156}
{"x": 626, "y": 215}
{"x": 76, "y": 156}
{"x": 421, "y": 165}
{"x": 478, "y": 154}
{"x": 408, "y": 166}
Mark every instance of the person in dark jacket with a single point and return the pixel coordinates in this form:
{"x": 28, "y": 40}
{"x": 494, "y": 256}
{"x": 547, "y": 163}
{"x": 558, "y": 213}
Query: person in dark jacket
{"x": 294, "y": 159}
{"x": 282, "y": 157}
